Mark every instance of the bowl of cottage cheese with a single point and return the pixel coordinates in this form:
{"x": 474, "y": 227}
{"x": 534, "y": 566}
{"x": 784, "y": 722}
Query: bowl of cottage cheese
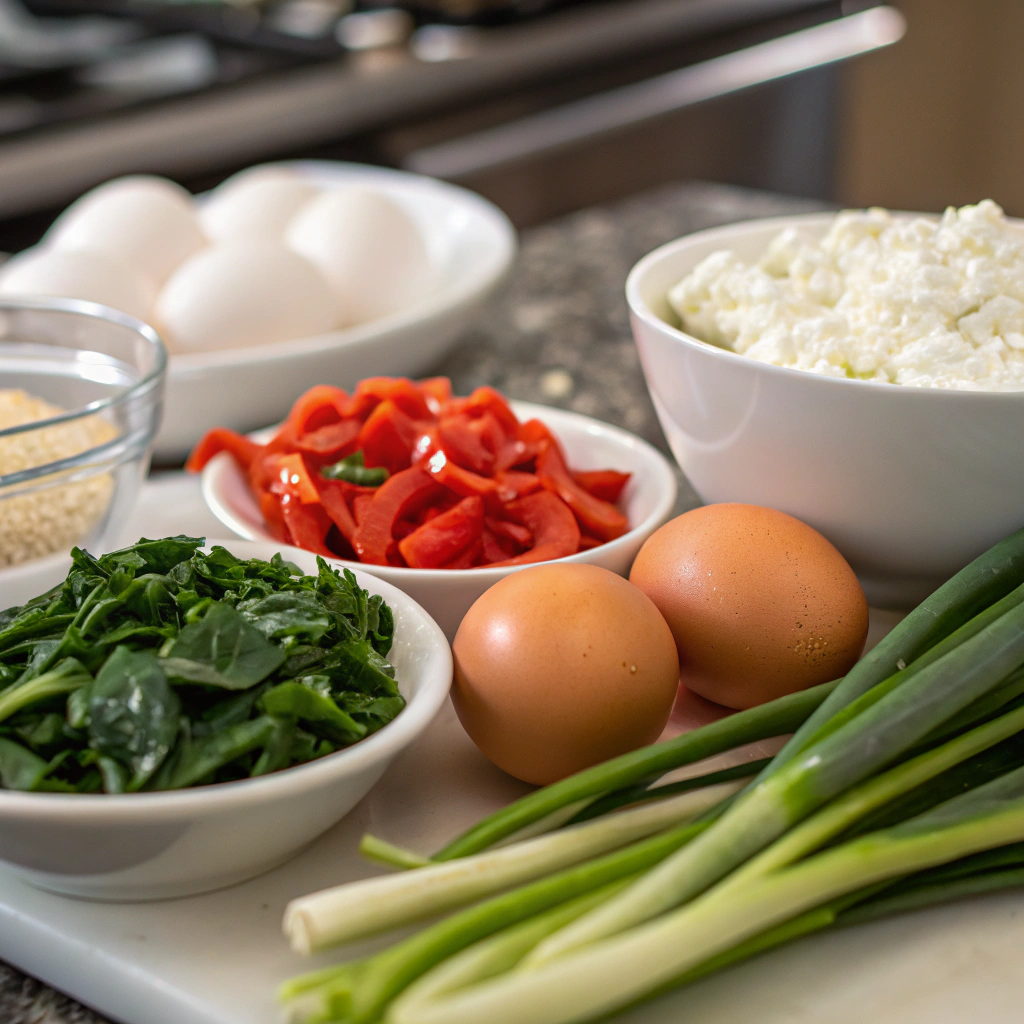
{"x": 863, "y": 371}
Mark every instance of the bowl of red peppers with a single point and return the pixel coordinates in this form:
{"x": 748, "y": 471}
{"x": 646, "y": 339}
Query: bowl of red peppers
{"x": 439, "y": 495}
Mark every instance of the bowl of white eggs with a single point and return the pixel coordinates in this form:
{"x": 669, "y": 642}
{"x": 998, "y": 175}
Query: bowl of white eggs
{"x": 285, "y": 275}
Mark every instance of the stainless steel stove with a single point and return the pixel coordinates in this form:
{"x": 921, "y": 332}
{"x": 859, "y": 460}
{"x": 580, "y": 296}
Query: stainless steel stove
{"x": 94, "y": 88}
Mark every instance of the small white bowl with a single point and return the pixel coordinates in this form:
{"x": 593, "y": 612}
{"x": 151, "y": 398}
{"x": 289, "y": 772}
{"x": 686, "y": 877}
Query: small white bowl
{"x": 145, "y": 846}
{"x": 448, "y": 594}
{"x": 909, "y": 483}
{"x": 469, "y": 240}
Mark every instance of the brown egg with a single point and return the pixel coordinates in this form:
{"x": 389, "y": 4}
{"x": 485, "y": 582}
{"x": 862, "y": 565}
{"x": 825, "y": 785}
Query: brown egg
{"x": 760, "y": 604}
{"x": 561, "y": 666}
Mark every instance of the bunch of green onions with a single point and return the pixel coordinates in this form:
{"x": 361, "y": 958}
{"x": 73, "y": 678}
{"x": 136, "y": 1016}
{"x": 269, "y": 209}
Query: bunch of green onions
{"x": 902, "y": 785}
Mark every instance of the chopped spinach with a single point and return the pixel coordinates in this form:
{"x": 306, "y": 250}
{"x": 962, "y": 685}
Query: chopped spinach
{"x": 162, "y": 666}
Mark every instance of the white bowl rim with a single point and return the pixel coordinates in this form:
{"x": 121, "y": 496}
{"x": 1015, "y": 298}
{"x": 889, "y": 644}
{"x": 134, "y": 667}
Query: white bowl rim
{"x": 657, "y": 465}
{"x": 643, "y": 312}
{"x": 485, "y": 273}
{"x": 419, "y": 711}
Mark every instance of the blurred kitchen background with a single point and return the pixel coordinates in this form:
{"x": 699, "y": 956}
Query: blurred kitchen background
{"x": 545, "y": 106}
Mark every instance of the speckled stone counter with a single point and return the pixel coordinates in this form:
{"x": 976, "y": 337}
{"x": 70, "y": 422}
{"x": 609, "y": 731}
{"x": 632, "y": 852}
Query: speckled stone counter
{"x": 558, "y": 334}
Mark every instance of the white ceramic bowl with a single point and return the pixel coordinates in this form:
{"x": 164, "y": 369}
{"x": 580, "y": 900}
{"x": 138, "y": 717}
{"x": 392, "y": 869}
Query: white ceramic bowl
{"x": 99, "y": 365}
{"x": 448, "y": 594}
{"x": 909, "y": 483}
{"x": 469, "y": 240}
{"x": 144, "y": 846}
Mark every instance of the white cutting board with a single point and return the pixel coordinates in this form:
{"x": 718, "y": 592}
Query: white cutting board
{"x": 216, "y": 959}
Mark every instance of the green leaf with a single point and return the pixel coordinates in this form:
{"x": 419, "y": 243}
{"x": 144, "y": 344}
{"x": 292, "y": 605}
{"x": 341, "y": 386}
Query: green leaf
{"x": 277, "y": 753}
{"x": 155, "y": 556}
{"x": 205, "y": 756}
{"x": 380, "y": 625}
{"x": 287, "y": 614}
{"x": 42, "y": 731}
{"x": 222, "y": 649}
{"x": 372, "y": 712}
{"x": 19, "y": 768}
{"x": 319, "y": 713}
{"x": 355, "y": 665}
{"x": 133, "y": 713}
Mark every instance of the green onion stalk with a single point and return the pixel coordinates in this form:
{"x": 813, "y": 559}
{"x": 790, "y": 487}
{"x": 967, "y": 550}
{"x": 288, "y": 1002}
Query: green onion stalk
{"x": 615, "y": 972}
{"x": 348, "y": 912}
{"x": 871, "y": 741}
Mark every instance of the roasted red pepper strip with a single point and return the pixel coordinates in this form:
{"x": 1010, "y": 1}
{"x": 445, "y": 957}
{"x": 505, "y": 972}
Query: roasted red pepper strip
{"x": 469, "y": 558}
{"x": 445, "y": 537}
{"x": 393, "y": 499}
{"x": 293, "y": 478}
{"x": 437, "y": 391}
{"x": 513, "y": 484}
{"x": 606, "y": 484}
{"x": 241, "y": 449}
{"x": 464, "y": 445}
{"x": 431, "y": 456}
{"x": 484, "y": 400}
{"x": 360, "y": 505}
{"x": 307, "y": 524}
{"x": 318, "y": 407}
{"x": 599, "y": 518}
{"x": 492, "y": 549}
{"x": 555, "y": 530}
{"x": 533, "y": 431}
{"x": 400, "y": 390}
{"x": 270, "y": 506}
{"x": 329, "y": 443}
{"x": 387, "y": 437}
{"x": 333, "y": 499}
{"x": 514, "y": 533}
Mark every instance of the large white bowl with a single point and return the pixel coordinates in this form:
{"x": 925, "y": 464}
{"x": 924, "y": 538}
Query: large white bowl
{"x": 909, "y": 483}
{"x": 448, "y": 594}
{"x": 470, "y": 242}
{"x": 143, "y": 846}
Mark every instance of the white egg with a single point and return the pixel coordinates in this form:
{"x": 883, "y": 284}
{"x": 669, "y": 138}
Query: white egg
{"x": 148, "y": 222}
{"x": 368, "y": 247}
{"x": 93, "y": 276}
{"x": 241, "y": 293}
{"x": 254, "y": 203}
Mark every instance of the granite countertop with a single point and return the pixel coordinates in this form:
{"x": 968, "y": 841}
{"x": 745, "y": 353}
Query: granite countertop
{"x": 557, "y": 334}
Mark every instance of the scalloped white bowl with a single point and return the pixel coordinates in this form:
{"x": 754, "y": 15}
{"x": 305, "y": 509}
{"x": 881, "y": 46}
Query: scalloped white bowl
{"x": 448, "y": 594}
{"x": 470, "y": 242}
{"x": 145, "y": 846}
{"x": 909, "y": 483}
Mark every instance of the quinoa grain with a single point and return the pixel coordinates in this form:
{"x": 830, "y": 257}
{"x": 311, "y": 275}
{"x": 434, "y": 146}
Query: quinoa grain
{"x": 51, "y": 518}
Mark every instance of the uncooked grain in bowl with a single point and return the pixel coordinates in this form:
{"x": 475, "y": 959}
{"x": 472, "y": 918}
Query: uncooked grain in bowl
{"x": 55, "y": 516}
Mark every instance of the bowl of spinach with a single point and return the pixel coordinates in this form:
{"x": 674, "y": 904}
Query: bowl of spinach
{"x": 177, "y": 716}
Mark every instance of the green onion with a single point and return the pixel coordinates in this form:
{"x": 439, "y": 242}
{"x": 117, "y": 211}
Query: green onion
{"x": 501, "y": 952}
{"x": 616, "y": 972}
{"x": 358, "y": 909}
{"x": 989, "y": 578}
{"x": 877, "y": 737}
{"x": 645, "y": 791}
{"x": 774, "y": 719}
{"x": 383, "y": 852}
{"x": 358, "y": 992}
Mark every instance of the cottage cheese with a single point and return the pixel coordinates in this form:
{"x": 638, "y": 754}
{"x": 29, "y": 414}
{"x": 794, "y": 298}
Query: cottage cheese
{"x": 930, "y": 303}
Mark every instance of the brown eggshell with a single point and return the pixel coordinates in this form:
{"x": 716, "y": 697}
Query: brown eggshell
{"x": 561, "y": 666}
{"x": 759, "y": 603}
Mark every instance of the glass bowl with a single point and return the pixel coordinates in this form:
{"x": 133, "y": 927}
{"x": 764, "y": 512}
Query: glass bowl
{"x": 97, "y": 376}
